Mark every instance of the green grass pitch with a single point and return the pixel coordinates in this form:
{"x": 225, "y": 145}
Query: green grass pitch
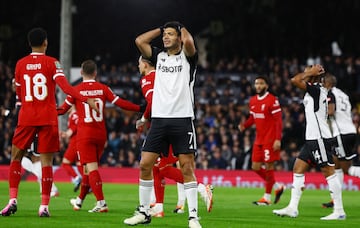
{"x": 232, "y": 208}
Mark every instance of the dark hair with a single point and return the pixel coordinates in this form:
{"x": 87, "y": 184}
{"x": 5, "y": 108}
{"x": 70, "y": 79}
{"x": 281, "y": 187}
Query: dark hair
{"x": 331, "y": 79}
{"x": 265, "y": 78}
{"x": 88, "y": 67}
{"x": 175, "y": 25}
{"x": 36, "y": 37}
{"x": 148, "y": 60}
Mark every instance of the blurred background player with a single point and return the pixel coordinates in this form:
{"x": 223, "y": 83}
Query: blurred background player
{"x": 343, "y": 129}
{"x": 91, "y": 132}
{"x": 164, "y": 168}
{"x": 36, "y": 77}
{"x": 265, "y": 113}
{"x": 317, "y": 150}
{"x": 71, "y": 154}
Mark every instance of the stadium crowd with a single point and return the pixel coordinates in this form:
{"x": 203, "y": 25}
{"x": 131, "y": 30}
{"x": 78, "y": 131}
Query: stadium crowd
{"x": 221, "y": 97}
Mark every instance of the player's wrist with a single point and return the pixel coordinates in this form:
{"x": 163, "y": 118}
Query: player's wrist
{"x": 161, "y": 29}
{"x": 143, "y": 119}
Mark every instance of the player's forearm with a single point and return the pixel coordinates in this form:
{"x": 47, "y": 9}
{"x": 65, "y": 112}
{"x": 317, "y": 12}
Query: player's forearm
{"x": 127, "y": 105}
{"x": 188, "y": 42}
{"x": 299, "y": 80}
{"x": 68, "y": 89}
{"x": 143, "y": 41}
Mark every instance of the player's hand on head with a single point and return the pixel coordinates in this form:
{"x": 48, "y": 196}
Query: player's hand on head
{"x": 317, "y": 69}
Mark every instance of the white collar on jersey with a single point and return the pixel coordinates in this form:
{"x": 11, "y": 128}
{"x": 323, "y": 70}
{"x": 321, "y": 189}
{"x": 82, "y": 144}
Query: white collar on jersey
{"x": 263, "y": 96}
{"x": 37, "y": 53}
{"x": 89, "y": 80}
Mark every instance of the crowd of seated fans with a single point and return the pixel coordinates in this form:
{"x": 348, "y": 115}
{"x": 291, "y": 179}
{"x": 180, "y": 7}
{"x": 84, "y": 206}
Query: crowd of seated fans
{"x": 221, "y": 97}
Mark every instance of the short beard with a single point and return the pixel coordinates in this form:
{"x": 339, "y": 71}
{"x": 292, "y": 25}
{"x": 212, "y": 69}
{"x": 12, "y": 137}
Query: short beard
{"x": 262, "y": 92}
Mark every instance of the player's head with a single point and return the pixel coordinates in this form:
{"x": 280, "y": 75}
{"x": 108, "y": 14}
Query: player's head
{"x": 329, "y": 81}
{"x": 37, "y": 37}
{"x": 171, "y": 35}
{"x": 261, "y": 84}
{"x": 145, "y": 65}
{"x": 89, "y": 69}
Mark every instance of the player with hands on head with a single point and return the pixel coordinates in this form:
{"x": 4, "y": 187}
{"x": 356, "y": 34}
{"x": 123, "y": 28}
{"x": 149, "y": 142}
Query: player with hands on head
{"x": 172, "y": 114}
{"x": 164, "y": 167}
{"x": 317, "y": 150}
{"x": 36, "y": 77}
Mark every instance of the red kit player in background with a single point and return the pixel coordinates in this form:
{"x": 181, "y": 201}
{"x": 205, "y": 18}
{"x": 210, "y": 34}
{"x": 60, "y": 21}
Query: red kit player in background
{"x": 71, "y": 156}
{"x": 91, "y": 132}
{"x": 265, "y": 113}
{"x": 36, "y": 76}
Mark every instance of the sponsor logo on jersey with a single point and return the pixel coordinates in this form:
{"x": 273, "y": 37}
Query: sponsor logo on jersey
{"x": 170, "y": 69}
{"x": 259, "y": 115}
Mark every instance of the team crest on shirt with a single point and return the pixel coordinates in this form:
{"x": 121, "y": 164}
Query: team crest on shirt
{"x": 58, "y": 65}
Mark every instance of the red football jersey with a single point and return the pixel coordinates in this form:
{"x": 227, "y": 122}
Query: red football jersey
{"x": 147, "y": 88}
{"x": 35, "y": 87}
{"x": 265, "y": 112}
{"x": 91, "y": 123}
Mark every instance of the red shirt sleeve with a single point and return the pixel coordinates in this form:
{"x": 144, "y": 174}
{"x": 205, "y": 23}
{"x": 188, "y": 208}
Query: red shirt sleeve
{"x": 127, "y": 105}
{"x": 147, "y": 112}
{"x": 63, "y": 108}
{"x": 68, "y": 89}
{"x": 249, "y": 121}
{"x": 278, "y": 125}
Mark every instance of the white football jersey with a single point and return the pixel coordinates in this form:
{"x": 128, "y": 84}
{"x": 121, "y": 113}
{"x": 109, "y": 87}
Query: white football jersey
{"x": 173, "y": 95}
{"x": 343, "y": 120}
{"x": 316, "y": 113}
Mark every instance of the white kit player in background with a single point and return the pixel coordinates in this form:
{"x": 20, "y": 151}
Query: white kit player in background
{"x": 33, "y": 165}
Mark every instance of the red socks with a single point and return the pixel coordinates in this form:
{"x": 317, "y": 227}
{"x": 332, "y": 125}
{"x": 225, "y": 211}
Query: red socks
{"x": 46, "y": 183}
{"x": 96, "y": 184}
{"x": 69, "y": 169}
{"x": 85, "y": 186}
{"x": 14, "y": 178}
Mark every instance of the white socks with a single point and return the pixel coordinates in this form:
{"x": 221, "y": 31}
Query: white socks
{"x": 145, "y": 188}
{"x": 192, "y": 198}
{"x": 296, "y": 191}
{"x": 335, "y": 191}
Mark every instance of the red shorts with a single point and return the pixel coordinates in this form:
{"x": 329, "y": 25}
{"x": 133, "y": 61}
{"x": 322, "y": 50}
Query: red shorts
{"x": 48, "y": 138}
{"x": 264, "y": 153}
{"x": 71, "y": 152}
{"x": 90, "y": 150}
